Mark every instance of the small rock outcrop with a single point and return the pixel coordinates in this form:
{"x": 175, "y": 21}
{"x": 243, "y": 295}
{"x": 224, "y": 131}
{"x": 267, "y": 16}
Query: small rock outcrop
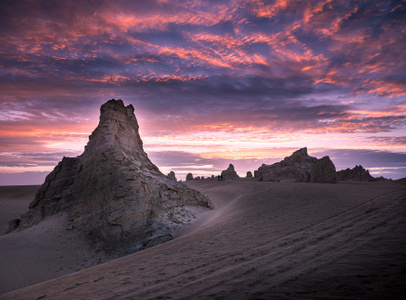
{"x": 172, "y": 176}
{"x": 301, "y": 167}
{"x": 189, "y": 177}
{"x": 249, "y": 174}
{"x": 112, "y": 193}
{"x": 230, "y": 173}
{"x": 358, "y": 173}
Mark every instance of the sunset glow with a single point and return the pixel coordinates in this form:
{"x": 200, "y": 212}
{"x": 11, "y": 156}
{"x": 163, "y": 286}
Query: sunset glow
{"x": 212, "y": 82}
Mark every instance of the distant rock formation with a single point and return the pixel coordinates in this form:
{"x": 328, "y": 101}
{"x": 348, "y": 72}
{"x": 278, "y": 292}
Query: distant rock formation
{"x": 296, "y": 166}
{"x": 299, "y": 166}
{"x": 172, "y": 176}
{"x": 189, "y": 177}
{"x": 323, "y": 171}
{"x": 358, "y": 173}
{"x": 249, "y": 174}
{"x": 230, "y": 173}
{"x": 113, "y": 193}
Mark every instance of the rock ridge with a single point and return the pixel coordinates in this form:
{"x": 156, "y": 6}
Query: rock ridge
{"x": 358, "y": 173}
{"x": 301, "y": 167}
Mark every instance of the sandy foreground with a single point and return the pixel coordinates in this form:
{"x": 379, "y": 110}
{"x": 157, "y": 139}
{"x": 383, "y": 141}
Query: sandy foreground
{"x": 264, "y": 240}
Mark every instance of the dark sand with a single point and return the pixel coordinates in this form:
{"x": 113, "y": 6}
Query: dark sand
{"x": 264, "y": 240}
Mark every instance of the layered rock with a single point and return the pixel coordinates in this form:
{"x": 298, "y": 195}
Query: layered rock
{"x": 301, "y": 167}
{"x": 358, "y": 173}
{"x": 230, "y": 173}
{"x": 113, "y": 193}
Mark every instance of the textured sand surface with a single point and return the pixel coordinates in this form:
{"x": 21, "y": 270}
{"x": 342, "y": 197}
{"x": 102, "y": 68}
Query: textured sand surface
{"x": 41, "y": 252}
{"x": 14, "y": 201}
{"x": 264, "y": 240}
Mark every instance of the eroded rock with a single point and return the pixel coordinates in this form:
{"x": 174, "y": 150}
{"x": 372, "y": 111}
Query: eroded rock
{"x": 172, "y": 176}
{"x": 112, "y": 193}
{"x": 230, "y": 173}
{"x": 301, "y": 167}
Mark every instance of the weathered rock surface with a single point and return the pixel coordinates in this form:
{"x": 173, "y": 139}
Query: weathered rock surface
{"x": 189, "y": 177}
{"x": 113, "y": 193}
{"x": 172, "y": 176}
{"x": 230, "y": 173}
{"x": 323, "y": 171}
{"x": 296, "y": 166}
{"x": 301, "y": 167}
{"x": 358, "y": 173}
{"x": 249, "y": 174}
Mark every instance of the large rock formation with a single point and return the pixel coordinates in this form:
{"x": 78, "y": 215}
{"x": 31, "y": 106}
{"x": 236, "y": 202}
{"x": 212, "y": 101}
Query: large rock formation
{"x": 358, "y": 173}
{"x": 113, "y": 193}
{"x": 230, "y": 173}
{"x": 299, "y": 166}
{"x": 189, "y": 177}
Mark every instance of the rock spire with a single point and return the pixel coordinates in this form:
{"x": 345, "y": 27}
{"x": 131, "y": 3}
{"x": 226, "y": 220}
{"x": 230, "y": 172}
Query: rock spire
{"x": 230, "y": 173}
{"x": 113, "y": 193}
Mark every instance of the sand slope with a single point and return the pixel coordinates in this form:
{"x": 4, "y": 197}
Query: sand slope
{"x": 14, "y": 201}
{"x": 263, "y": 240}
{"x": 39, "y": 253}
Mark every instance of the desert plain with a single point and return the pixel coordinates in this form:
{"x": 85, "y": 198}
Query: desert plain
{"x": 263, "y": 240}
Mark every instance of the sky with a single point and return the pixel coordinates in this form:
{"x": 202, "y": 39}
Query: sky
{"x": 212, "y": 82}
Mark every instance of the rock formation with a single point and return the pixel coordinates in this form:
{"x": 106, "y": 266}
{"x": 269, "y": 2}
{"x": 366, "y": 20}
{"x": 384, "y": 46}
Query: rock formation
{"x": 189, "y": 177}
{"x": 113, "y": 193}
{"x": 230, "y": 173}
{"x": 358, "y": 173}
{"x": 323, "y": 171}
{"x": 299, "y": 166}
{"x": 249, "y": 174}
{"x": 172, "y": 176}
{"x": 295, "y": 166}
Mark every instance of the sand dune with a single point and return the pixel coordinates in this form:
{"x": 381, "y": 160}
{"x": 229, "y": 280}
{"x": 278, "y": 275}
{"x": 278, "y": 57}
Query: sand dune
{"x": 264, "y": 240}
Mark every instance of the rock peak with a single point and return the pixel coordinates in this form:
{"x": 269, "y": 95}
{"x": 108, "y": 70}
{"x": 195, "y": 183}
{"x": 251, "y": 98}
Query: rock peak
{"x": 118, "y": 127}
{"x": 230, "y": 173}
{"x": 112, "y": 193}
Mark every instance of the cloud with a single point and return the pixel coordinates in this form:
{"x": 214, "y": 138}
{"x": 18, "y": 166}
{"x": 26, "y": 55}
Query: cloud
{"x": 345, "y": 158}
{"x": 193, "y": 69}
{"x": 23, "y": 178}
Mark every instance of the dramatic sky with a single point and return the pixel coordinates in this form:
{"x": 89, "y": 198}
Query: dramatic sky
{"x": 212, "y": 82}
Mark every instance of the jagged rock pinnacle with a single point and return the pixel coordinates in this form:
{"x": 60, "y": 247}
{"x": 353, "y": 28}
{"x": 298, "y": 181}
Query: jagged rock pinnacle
{"x": 113, "y": 193}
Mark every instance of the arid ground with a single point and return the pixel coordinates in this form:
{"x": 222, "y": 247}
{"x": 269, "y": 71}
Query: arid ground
{"x": 263, "y": 240}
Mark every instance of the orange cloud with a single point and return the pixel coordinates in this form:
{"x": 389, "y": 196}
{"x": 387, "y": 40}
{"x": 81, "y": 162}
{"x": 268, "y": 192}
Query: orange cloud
{"x": 385, "y": 88}
{"x": 262, "y": 10}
